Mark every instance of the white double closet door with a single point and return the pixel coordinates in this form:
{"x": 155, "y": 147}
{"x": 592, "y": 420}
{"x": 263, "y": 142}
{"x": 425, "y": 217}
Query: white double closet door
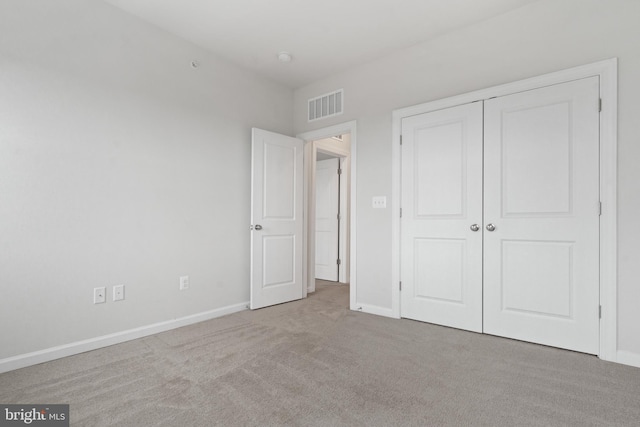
{"x": 500, "y": 224}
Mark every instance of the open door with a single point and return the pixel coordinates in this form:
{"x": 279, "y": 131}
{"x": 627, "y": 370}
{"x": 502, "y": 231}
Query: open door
{"x": 276, "y": 218}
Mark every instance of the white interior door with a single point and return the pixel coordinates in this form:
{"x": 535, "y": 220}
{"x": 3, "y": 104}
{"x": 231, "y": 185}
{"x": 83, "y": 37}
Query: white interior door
{"x": 327, "y": 209}
{"x": 541, "y": 277}
{"x": 441, "y": 265}
{"x": 276, "y": 218}
{"x": 531, "y": 271}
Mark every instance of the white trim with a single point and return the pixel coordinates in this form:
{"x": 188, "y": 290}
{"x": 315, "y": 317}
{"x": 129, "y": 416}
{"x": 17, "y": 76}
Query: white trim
{"x": 343, "y": 202}
{"x": 396, "y": 204}
{"x": 628, "y": 358}
{"x": 46, "y": 355}
{"x": 328, "y": 132}
{"x": 325, "y": 148}
{"x": 308, "y": 252}
{"x": 353, "y": 240}
{"x": 607, "y": 72}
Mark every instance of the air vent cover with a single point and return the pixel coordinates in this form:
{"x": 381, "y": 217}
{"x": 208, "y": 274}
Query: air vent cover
{"x": 326, "y": 105}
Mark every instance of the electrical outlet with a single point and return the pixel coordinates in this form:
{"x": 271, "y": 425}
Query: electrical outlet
{"x": 184, "y": 282}
{"x": 379, "y": 202}
{"x": 99, "y": 295}
{"x": 118, "y": 292}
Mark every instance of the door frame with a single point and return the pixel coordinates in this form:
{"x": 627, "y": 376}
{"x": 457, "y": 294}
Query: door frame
{"x": 311, "y": 148}
{"x": 607, "y": 71}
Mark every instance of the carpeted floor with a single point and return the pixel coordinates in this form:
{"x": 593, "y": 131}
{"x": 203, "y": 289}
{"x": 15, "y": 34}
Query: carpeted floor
{"x": 315, "y": 363}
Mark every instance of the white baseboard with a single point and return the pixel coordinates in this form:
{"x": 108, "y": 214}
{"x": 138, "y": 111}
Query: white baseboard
{"x": 46, "y": 355}
{"x": 374, "y": 309}
{"x": 628, "y": 358}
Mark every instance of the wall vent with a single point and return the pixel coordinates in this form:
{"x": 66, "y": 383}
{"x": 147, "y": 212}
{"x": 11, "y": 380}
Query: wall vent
{"x": 327, "y": 105}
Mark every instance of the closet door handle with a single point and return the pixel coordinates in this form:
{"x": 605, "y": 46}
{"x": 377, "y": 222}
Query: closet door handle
{"x": 491, "y": 227}
{"x": 474, "y": 227}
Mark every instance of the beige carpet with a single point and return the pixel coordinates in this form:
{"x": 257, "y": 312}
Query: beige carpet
{"x": 314, "y": 363}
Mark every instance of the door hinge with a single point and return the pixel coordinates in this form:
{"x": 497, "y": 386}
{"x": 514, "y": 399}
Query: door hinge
{"x": 338, "y": 217}
{"x": 338, "y": 262}
{"x": 400, "y": 139}
{"x": 600, "y": 207}
{"x": 339, "y": 171}
{"x": 400, "y": 212}
{"x": 599, "y": 312}
{"x": 400, "y": 285}
{"x": 600, "y": 104}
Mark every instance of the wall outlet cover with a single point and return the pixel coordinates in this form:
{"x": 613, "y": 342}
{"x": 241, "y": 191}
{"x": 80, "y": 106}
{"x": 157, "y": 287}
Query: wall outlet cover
{"x": 118, "y": 293}
{"x": 99, "y": 295}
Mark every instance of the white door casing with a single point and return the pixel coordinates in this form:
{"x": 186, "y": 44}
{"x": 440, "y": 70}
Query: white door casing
{"x": 606, "y": 71}
{"x": 541, "y": 276}
{"x": 441, "y": 200}
{"x": 327, "y": 208}
{"x": 276, "y": 218}
{"x": 348, "y": 163}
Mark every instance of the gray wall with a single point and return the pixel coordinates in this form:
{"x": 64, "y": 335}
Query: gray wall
{"x": 546, "y": 36}
{"x": 119, "y": 164}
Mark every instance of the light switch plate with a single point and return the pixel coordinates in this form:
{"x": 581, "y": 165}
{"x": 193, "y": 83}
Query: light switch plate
{"x": 379, "y": 202}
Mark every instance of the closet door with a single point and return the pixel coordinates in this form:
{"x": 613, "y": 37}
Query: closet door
{"x": 541, "y": 248}
{"x": 441, "y": 226}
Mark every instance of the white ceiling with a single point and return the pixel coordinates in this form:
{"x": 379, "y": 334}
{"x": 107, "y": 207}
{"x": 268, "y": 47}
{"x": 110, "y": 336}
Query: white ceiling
{"x": 323, "y": 36}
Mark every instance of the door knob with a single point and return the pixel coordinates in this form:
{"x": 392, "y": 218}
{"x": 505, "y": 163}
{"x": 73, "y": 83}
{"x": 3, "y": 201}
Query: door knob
{"x": 474, "y": 227}
{"x": 491, "y": 227}
{"x": 258, "y": 227}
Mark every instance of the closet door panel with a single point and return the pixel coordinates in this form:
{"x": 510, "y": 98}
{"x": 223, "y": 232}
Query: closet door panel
{"x": 441, "y": 265}
{"x": 541, "y": 163}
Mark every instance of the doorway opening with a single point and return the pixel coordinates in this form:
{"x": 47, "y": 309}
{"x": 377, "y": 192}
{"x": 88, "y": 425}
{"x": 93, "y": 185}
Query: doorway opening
{"x": 331, "y": 209}
{"x": 331, "y": 144}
